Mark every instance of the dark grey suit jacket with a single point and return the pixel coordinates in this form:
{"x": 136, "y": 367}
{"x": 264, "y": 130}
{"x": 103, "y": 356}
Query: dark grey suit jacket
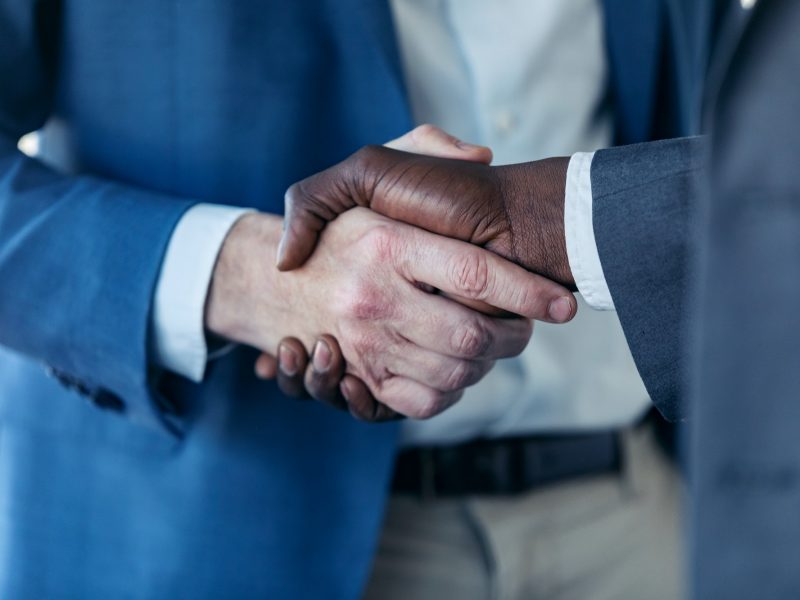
{"x": 700, "y": 243}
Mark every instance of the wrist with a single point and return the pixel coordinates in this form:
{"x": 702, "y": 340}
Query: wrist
{"x": 534, "y": 195}
{"x": 243, "y": 286}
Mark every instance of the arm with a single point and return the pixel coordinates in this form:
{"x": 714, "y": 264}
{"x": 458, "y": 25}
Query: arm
{"x": 82, "y": 256}
{"x": 367, "y": 284}
{"x": 79, "y": 256}
{"x": 179, "y": 336}
{"x": 518, "y": 212}
{"x": 643, "y": 198}
{"x": 322, "y": 374}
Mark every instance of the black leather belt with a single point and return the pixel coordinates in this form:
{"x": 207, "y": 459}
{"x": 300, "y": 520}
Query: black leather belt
{"x": 504, "y": 466}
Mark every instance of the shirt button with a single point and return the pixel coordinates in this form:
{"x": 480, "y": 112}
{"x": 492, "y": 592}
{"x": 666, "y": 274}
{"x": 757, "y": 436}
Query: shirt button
{"x": 504, "y": 121}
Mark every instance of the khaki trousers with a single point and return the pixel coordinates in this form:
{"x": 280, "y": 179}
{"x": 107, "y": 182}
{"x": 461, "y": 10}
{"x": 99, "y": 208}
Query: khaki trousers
{"x": 609, "y": 537}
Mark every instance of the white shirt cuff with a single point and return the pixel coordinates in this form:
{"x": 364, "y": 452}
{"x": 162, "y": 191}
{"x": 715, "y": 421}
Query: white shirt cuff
{"x": 178, "y": 316}
{"x": 584, "y": 259}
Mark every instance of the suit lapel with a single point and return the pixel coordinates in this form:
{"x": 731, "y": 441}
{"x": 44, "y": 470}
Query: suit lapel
{"x": 633, "y": 36}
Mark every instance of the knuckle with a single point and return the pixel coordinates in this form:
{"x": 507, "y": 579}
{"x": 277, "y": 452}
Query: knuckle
{"x": 420, "y": 132}
{"x": 460, "y": 376}
{"x": 305, "y": 197}
{"x": 301, "y": 195}
{"x": 430, "y": 404}
{"x": 365, "y": 156}
{"x": 359, "y": 171}
{"x": 532, "y": 301}
{"x": 521, "y": 341}
{"x": 293, "y": 196}
{"x": 435, "y": 403}
{"x": 380, "y": 243}
{"x": 470, "y": 275}
{"x": 473, "y": 339}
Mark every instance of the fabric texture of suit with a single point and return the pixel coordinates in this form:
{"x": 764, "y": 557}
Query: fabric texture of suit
{"x": 642, "y": 198}
{"x": 700, "y": 241}
{"x": 745, "y": 451}
{"x": 183, "y": 490}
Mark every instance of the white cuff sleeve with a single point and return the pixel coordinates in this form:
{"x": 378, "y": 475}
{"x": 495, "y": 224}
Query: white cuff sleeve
{"x": 584, "y": 259}
{"x": 177, "y": 322}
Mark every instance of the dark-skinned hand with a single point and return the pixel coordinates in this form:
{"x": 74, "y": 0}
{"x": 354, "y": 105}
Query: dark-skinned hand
{"x": 323, "y": 377}
{"x": 517, "y": 211}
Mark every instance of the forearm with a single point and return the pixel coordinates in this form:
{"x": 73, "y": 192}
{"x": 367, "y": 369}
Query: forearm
{"x": 644, "y": 200}
{"x": 79, "y": 258}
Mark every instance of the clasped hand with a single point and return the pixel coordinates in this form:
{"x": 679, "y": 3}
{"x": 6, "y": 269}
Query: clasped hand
{"x": 400, "y": 319}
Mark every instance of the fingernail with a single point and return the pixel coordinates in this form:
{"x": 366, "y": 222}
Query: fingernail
{"x": 344, "y": 387}
{"x": 560, "y": 309}
{"x": 287, "y": 361}
{"x": 322, "y": 357}
{"x": 261, "y": 371}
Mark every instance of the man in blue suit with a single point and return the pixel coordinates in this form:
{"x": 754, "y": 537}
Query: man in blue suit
{"x": 183, "y": 489}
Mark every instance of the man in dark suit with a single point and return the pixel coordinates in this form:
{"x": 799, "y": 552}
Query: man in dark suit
{"x": 745, "y": 379}
{"x": 698, "y": 241}
{"x": 220, "y": 485}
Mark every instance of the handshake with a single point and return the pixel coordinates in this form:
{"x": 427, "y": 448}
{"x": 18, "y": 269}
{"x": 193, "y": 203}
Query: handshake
{"x": 408, "y": 269}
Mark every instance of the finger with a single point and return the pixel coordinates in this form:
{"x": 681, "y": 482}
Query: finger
{"x": 486, "y": 309}
{"x": 446, "y": 327}
{"x": 302, "y": 226}
{"x": 306, "y": 214}
{"x": 440, "y": 372}
{"x": 309, "y": 206}
{"x": 473, "y": 273}
{"x": 325, "y": 372}
{"x": 266, "y": 366}
{"x": 292, "y": 361}
{"x": 362, "y": 404}
{"x": 413, "y": 399}
{"x": 433, "y": 141}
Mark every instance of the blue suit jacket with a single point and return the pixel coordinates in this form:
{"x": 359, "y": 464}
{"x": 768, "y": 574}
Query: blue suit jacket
{"x": 224, "y": 489}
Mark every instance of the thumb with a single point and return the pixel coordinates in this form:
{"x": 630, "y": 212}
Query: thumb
{"x": 306, "y": 214}
{"x": 433, "y": 141}
{"x": 302, "y": 227}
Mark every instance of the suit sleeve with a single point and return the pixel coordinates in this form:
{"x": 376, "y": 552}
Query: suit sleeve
{"x": 79, "y": 256}
{"x": 641, "y": 209}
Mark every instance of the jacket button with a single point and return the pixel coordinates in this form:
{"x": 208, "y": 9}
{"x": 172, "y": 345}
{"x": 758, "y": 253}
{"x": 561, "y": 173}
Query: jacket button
{"x": 108, "y": 401}
{"x": 68, "y": 382}
{"x": 167, "y": 405}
